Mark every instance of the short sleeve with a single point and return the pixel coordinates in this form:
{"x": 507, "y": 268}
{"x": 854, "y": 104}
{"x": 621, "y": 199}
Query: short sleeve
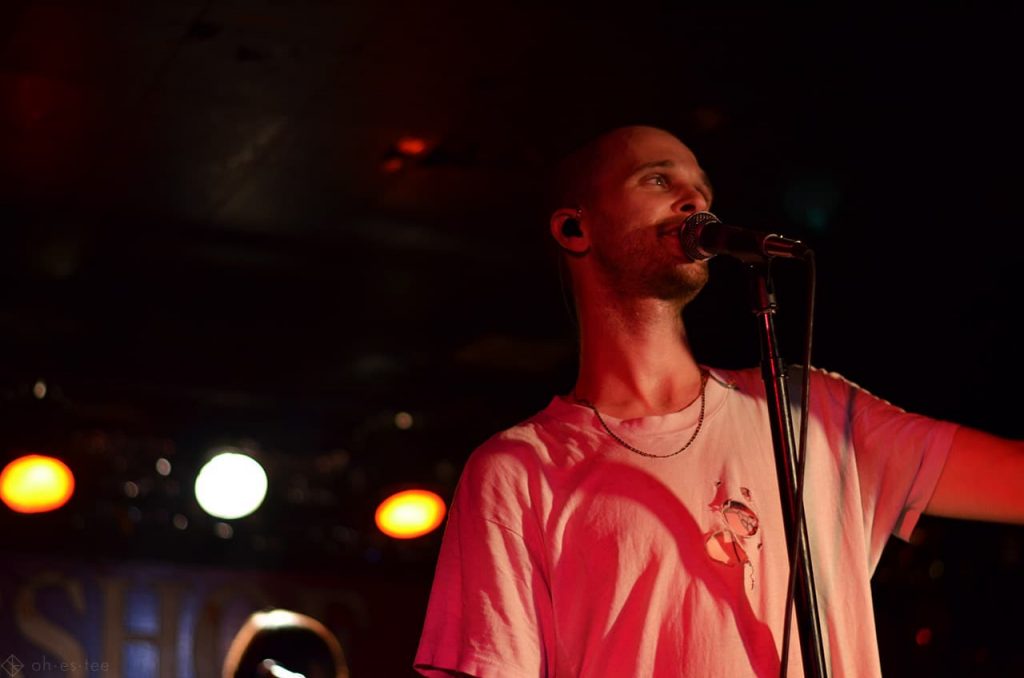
{"x": 490, "y": 608}
{"x": 899, "y": 458}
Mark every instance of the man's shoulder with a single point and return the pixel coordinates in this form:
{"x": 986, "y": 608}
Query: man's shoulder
{"x": 824, "y": 382}
{"x": 526, "y": 432}
{"x": 529, "y": 441}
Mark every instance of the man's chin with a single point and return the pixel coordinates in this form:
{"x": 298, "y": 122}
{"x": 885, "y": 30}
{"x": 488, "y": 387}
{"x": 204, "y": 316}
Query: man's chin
{"x": 694, "y": 274}
{"x": 686, "y": 283}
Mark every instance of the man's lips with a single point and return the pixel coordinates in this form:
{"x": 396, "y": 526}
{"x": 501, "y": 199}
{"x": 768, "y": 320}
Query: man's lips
{"x": 671, "y": 228}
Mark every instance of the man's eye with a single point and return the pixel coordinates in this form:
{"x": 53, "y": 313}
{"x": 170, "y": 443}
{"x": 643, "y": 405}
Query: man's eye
{"x": 657, "y": 180}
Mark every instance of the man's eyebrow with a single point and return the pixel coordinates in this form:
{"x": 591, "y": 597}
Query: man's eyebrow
{"x": 657, "y": 164}
{"x": 650, "y": 165}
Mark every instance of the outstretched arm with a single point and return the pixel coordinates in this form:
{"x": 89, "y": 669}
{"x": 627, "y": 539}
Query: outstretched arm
{"x": 983, "y": 479}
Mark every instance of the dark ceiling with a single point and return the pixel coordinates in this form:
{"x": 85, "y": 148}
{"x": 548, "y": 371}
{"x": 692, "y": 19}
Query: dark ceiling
{"x": 209, "y": 235}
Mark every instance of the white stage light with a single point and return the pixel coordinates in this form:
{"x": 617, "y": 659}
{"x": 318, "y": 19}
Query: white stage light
{"x": 231, "y": 485}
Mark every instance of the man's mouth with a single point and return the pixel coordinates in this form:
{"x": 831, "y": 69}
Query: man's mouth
{"x": 670, "y": 229}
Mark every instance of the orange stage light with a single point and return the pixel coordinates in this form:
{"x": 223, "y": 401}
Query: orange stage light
{"x": 409, "y": 514}
{"x": 36, "y": 483}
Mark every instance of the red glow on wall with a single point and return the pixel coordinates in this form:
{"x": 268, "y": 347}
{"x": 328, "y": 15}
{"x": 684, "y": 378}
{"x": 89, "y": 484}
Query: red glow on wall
{"x": 392, "y": 165}
{"x": 923, "y": 636}
{"x": 411, "y": 146}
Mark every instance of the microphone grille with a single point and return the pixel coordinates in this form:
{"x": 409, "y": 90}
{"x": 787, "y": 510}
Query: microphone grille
{"x": 689, "y": 235}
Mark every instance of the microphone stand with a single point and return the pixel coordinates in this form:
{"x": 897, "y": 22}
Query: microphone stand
{"x": 773, "y": 373}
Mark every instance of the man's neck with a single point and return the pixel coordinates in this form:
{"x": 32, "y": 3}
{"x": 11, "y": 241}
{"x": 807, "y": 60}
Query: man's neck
{"x": 635, "y": 360}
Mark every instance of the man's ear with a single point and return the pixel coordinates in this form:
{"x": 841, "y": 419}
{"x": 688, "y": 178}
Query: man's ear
{"x": 569, "y": 231}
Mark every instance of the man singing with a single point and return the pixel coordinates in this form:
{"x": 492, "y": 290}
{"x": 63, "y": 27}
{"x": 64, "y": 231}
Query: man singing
{"x": 633, "y": 527}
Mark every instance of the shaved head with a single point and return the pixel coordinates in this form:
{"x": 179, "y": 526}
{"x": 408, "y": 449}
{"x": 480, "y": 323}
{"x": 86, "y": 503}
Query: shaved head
{"x": 573, "y": 183}
{"x": 625, "y": 195}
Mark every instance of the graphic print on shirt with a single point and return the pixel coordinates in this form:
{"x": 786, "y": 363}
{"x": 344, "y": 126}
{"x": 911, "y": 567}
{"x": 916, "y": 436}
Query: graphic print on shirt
{"x": 736, "y": 526}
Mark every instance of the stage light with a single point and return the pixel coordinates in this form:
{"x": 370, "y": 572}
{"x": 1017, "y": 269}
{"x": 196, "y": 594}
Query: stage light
{"x": 410, "y": 514}
{"x": 403, "y": 421}
{"x": 36, "y": 483}
{"x": 231, "y": 485}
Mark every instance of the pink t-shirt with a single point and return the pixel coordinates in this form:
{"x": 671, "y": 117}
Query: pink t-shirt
{"x": 566, "y": 554}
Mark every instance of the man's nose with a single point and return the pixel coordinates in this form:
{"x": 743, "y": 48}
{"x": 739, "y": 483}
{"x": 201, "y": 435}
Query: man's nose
{"x": 690, "y": 201}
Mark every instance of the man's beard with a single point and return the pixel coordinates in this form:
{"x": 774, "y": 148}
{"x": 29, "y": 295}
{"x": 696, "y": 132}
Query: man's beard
{"x": 636, "y": 268}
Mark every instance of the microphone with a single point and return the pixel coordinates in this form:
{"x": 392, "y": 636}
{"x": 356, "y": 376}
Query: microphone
{"x": 703, "y": 235}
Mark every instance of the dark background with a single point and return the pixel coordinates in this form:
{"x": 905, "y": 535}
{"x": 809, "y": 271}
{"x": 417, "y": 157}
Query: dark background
{"x": 209, "y": 237}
